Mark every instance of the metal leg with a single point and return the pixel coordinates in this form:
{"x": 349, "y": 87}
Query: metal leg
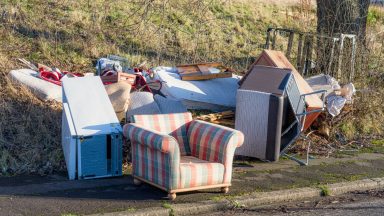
{"x": 301, "y": 162}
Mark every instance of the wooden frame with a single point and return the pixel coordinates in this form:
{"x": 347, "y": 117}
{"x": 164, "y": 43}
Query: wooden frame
{"x": 130, "y": 78}
{"x": 201, "y": 71}
{"x": 172, "y": 193}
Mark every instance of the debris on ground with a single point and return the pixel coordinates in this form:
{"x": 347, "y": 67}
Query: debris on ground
{"x": 204, "y": 71}
{"x": 226, "y": 118}
{"x": 91, "y": 132}
{"x": 214, "y": 94}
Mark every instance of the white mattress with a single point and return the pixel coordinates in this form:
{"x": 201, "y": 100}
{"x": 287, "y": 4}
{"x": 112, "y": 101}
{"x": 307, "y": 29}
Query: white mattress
{"x": 41, "y": 88}
{"x": 207, "y": 94}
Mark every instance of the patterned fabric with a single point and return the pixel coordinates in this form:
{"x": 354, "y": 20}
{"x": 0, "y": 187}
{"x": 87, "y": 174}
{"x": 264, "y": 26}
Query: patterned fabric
{"x": 155, "y": 156}
{"x": 175, "y": 124}
{"x": 156, "y": 152}
{"x": 214, "y": 143}
{"x": 195, "y": 172}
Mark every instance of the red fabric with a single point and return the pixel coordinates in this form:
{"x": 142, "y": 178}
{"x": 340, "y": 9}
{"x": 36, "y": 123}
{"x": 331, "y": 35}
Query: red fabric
{"x": 54, "y": 76}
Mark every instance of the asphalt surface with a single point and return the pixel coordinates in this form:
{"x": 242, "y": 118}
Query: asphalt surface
{"x": 55, "y": 195}
{"x": 352, "y": 204}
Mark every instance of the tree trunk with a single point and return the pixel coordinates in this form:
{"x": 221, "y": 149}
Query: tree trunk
{"x": 342, "y": 16}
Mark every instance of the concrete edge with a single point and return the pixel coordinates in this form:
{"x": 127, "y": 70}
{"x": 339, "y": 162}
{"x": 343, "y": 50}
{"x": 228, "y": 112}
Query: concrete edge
{"x": 257, "y": 198}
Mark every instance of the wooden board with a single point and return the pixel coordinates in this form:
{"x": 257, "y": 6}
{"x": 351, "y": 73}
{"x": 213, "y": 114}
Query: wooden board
{"x": 201, "y": 71}
{"x": 129, "y": 78}
{"x": 275, "y": 58}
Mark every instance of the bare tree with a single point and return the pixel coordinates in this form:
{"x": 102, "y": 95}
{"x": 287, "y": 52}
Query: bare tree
{"x": 342, "y": 16}
{"x": 336, "y": 17}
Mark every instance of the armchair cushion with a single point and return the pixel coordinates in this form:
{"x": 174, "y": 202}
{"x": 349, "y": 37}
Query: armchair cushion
{"x": 214, "y": 143}
{"x": 195, "y": 172}
{"x": 175, "y": 124}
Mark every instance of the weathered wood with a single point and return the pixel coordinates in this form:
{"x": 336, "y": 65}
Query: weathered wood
{"x": 290, "y": 43}
{"x": 299, "y": 53}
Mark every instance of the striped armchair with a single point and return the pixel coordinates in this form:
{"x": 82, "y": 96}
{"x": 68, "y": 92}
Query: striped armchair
{"x": 178, "y": 154}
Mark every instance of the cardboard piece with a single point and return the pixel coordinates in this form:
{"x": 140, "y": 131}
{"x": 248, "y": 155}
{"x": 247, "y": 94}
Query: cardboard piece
{"x": 119, "y": 94}
{"x": 277, "y": 59}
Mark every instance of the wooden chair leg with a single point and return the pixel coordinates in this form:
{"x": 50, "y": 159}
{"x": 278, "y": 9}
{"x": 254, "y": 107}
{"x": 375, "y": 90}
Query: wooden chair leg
{"x": 172, "y": 196}
{"x": 136, "y": 182}
{"x": 224, "y": 189}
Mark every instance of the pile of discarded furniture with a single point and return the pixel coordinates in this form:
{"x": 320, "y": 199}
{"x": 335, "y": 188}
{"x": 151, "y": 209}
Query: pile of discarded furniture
{"x": 272, "y": 103}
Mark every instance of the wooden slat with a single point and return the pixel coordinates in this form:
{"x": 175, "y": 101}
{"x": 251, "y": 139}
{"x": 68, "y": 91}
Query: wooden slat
{"x": 183, "y": 189}
{"x": 208, "y": 76}
{"x": 201, "y": 71}
{"x": 130, "y": 78}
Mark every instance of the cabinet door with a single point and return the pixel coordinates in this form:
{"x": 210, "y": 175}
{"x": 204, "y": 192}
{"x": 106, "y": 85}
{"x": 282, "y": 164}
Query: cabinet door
{"x": 117, "y": 155}
{"x": 93, "y": 157}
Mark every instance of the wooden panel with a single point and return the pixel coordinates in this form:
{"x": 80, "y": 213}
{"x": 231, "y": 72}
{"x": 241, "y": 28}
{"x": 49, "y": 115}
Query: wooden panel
{"x": 130, "y": 78}
{"x": 207, "y": 77}
{"x": 204, "y": 69}
{"x": 202, "y": 72}
{"x": 183, "y": 189}
{"x": 280, "y": 61}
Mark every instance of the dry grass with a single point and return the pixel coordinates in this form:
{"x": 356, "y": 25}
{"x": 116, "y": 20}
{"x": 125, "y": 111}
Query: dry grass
{"x": 72, "y": 34}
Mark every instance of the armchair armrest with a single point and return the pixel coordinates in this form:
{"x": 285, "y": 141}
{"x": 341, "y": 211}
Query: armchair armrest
{"x": 155, "y": 155}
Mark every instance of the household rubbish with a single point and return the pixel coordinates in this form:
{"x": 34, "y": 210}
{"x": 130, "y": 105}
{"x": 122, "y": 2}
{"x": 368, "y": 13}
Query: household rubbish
{"x": 337, "y": 100}
{"x": 54, "y": 75}
{"x": 145, "y": 103}
{"x": 44, "y": 90}
{"x": 269, "y": 112}
{"x": 112, "y": 63}
{"x": 91, "y": 132}
{"x": 214, "y": 94}
{"x": 277, "y": 59}
{"x": 336, "y": 96}
{"x": 114, "y": 77}
{"x": 119, "y": 95}
{"x": 203, "y": 71}
{"x": 176, "y": 154}
{"x": 323, "y": 82}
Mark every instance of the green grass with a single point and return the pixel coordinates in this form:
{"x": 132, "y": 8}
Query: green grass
{"x": 73, "y": 34}
{"x": 324, "y": 190}
{"x": 69, "y": 214}
{"x": 168, "y": 206}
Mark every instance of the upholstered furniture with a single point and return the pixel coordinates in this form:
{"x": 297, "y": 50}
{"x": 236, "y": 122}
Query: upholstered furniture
{"x": 178, "y": 154}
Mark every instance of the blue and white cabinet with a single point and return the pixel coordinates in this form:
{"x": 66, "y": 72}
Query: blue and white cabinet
{"x": 91, "y": 132}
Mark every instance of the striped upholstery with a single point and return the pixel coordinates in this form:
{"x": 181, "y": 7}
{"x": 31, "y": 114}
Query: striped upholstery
{"x": 214, "y": 143}
{"x": 195, "y": 172}
{"x": 175, "y": 124}
{"x": 155, "y": 155}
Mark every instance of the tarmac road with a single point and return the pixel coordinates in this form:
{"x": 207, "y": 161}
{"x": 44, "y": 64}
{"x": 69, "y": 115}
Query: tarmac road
{"x": 354, "y": 204}
{"x": 55, "y": 195}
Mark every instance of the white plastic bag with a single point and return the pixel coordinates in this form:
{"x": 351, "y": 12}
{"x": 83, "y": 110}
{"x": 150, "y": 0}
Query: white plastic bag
{"x": 335, "y": 103}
